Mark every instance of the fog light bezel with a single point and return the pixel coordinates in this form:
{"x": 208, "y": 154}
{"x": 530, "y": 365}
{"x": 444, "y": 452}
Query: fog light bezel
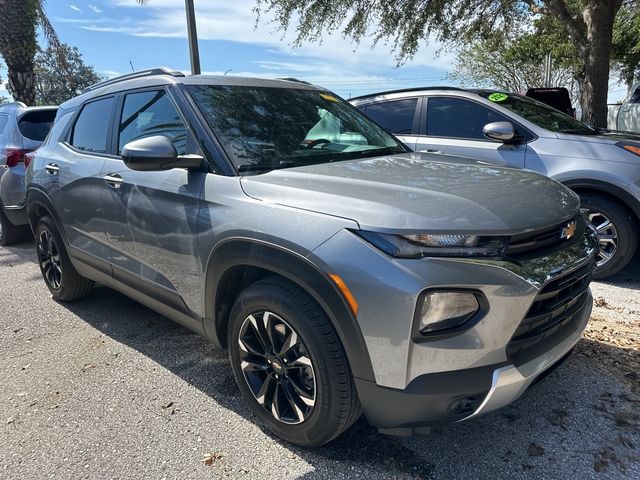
{"x": 483, "y": 309}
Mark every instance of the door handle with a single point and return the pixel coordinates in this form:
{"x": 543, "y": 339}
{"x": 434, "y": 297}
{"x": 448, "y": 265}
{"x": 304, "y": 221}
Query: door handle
{"x": 430, "y": 150}
{"x": 52, "y": 169}
{"x": 113, "y": 180}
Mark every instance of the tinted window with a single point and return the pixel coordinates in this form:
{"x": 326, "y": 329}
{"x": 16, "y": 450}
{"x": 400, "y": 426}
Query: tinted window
{"x": 91, "y": 129}
{"x": 396, "y": 116}
{"x": 4, "y": 119}
{"x": 36, "y": 125}
{"x": 635, "y": 98}
{"x": 151, "y": 113}
{"x": 262, "y": 128}
{"x": 454, "y": 117}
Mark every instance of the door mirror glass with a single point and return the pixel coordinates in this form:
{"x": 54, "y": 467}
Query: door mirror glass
{"x": 156, "y": 153}
{"x": 501, "y": 131}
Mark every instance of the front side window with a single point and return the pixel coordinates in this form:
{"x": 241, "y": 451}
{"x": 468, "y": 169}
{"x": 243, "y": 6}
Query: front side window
{"x": 262, "y": 128}
{"x": 458, "y": 118}
{"x": 91, "y": 129}
{"x": 538, "y": 113}
{"x": 396, "y": 115}
{"x": 147, "y": 114}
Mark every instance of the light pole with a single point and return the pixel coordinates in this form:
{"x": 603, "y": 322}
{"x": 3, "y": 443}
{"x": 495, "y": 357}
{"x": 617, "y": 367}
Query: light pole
{"x": 193, "y": 37}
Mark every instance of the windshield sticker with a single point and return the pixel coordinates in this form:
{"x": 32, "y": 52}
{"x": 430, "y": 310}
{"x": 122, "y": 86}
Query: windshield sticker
{"x": 326, "y": 96}
{"x": 498, "y": 97}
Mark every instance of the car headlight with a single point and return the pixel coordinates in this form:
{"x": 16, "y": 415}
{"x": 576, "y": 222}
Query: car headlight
{"x": 427, "y": 245}
{"x": 446, "y": 310}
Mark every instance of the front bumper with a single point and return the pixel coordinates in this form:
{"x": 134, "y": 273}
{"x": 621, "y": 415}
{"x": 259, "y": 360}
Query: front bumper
{"x": 449, "y": 379}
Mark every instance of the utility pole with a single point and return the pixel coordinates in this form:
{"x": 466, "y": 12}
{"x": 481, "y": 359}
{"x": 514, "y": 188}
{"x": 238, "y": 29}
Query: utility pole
{"x": 193, "y": 37}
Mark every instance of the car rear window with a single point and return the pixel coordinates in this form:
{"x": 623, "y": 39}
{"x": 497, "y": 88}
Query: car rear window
{"x": 36, "y": 125}
{"x": 4, "y": 119}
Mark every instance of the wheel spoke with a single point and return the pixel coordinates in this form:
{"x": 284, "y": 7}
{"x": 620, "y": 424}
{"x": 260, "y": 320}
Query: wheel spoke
{"x": 300, "y": 362}
{"x": 266, "y": 390}
{"x": 289, "y": 343}
{"x": 604, "y": 225}
{"x": 291, "y": 400}
{"x": 249, "y": 365}
{"x": 305, "y": 396}
{"x": 259, "y": 336}
{"x": 269, "y": 328}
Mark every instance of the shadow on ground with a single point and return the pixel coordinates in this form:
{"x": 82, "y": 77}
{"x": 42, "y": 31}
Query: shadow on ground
{"x": 559, "y": 407}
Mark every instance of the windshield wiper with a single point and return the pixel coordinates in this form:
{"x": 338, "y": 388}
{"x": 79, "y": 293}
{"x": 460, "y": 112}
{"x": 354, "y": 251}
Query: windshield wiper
{"x": 263, "y": 167}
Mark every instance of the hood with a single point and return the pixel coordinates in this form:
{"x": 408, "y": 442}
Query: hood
{"x": 605, "y": 136}
{"x": 418, "y": 192}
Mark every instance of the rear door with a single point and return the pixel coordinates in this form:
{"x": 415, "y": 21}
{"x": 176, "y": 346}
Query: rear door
{"x": 151, "y": 217}
{"x": 72, "y": 176}
{"x": 454, "y": 126}
{"x": 399, "y": 117}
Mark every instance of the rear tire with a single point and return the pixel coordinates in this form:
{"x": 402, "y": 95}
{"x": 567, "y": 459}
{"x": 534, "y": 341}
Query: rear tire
{"x": 617, "y": 228}
{"x": 10, "y": 233}
{"x": 64, "y": 282}
{"x": 310, "y": 384}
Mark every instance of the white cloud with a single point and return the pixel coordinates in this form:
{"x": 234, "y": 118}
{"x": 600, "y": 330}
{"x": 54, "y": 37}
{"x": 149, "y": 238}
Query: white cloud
{"x": 74, "y": 8}
{"x": 94, "y": 8}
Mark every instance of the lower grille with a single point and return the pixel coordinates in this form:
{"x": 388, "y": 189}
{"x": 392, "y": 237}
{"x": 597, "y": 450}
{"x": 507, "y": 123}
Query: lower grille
{"x": 552, "y": 317}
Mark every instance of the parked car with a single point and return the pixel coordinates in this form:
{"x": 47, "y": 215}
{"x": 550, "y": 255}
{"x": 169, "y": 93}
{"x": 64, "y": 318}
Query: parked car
{"x": 626, "y": 116}
{"x": 343, "y": 272}
{"x": 22, "y": 130}
{"x": 506, "y": 129}
{"x": 556, "y": 97}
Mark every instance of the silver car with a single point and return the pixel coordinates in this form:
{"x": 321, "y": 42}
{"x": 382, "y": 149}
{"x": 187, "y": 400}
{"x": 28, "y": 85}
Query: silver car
{"x": 344, "y": 273}
{"x": 505, "y": 129}
{"x": 22, "y": 130}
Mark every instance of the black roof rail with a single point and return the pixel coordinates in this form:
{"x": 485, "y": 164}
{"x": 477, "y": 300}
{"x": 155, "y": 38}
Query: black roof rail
{"x": 139, "y": 74}
{"x": 293, "y": 79}
{"x": 410, "y": 89}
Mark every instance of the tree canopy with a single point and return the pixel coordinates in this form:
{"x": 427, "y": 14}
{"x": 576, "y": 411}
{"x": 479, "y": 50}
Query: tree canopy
{"x": 57, "y": 81}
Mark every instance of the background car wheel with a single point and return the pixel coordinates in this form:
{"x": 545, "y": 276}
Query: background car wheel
{"x": 64, "y": 282}
{"x": 617, "y": 229}
{"x": 290, "y": 364}
{"x": 10, "y": 233}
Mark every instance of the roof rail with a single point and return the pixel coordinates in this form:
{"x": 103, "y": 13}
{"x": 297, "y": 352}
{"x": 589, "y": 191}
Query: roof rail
{"x": 292, "y": 79}
{"x": 139, "y": 74}
{"x": 410, "y": 89}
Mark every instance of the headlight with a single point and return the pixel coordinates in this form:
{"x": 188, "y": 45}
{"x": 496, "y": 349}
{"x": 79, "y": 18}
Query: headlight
{"x": 426, "y": 245}
{"x": 443, "y": 310}
{"x": 630, "y": 147}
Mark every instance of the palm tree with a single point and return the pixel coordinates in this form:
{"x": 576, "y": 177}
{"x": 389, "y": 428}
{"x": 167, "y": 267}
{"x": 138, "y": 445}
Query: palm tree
{"x": 18, "y": 43}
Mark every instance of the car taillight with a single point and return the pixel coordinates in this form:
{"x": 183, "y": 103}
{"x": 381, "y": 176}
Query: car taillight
{"x": 14, "y": 156}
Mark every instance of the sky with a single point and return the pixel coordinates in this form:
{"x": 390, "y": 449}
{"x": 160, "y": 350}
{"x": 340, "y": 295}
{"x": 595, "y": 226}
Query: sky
{"x": 112, "y": 35}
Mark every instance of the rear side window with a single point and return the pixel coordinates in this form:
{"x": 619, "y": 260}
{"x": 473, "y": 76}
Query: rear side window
{"x": 36, "y": 125}
{"x": 4, "y": 119}
{"x": 635, "y": 98}
{"x": 458, "y": 118}
{"x": 90, "y": 131}
{"x": 147, "y": 114}
{"x": 396, "y": 116}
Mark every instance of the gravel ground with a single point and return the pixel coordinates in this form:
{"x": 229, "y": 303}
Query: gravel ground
{"x": 105, "y": 388}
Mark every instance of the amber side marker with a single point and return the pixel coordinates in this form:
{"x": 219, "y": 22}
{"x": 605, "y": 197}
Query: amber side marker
{"x": 632, "y": 149}
{"x": 346, "y": 292}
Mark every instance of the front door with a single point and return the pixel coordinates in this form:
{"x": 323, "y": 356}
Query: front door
{"x": 454, "y": 126}
{"x": 151, "y": 217}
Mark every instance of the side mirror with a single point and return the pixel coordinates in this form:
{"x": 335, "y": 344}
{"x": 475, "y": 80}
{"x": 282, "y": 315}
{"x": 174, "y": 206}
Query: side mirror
{"x": 156, "y": 153}
{"x": 501, "y": 131}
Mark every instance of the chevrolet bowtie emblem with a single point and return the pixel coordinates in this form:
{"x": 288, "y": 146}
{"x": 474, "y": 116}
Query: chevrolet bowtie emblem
{"x": 569, "y": 230}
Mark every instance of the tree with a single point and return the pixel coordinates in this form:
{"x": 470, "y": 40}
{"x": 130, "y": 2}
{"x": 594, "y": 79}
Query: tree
{"x": 589, "y": 24}
{"x": 18, "y": 42}
{"x": 56, "y": 81}
{"x": 626, "y": 46}
{"x": 2, "y": 99}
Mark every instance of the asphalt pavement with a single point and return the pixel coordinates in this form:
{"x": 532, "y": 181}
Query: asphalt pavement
{"x": 105, "y": 388}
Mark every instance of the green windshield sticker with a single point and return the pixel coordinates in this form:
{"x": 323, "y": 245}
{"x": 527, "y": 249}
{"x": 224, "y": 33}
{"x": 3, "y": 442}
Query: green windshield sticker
{"x": 498, "y": 97}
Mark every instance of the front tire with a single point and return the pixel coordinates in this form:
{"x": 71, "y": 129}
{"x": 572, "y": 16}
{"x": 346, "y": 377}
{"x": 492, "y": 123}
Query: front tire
{"x": 290, "y": 364}
{"x": 64, "y": 282}
{"x": 617, "y": 230}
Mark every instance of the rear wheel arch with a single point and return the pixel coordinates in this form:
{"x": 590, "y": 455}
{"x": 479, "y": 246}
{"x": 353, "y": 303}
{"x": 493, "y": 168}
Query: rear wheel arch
{"x": 238, "y": 263}
{"x": 39, "y": 205}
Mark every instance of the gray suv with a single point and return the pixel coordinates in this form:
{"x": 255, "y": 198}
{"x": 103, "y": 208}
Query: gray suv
{"x": 344, "y": 273}
{"x": 22, "y": 130}
{"x": 511, "y": 130}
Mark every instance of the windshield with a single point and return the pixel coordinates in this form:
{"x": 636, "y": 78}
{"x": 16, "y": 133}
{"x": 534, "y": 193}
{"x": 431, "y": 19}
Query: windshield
{"x": 262, "y": 128}
{"x": 536, "y": 112}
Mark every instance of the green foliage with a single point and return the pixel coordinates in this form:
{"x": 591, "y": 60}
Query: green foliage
{"x": 61, "y": 77}
{"x": 626, "y": 45}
